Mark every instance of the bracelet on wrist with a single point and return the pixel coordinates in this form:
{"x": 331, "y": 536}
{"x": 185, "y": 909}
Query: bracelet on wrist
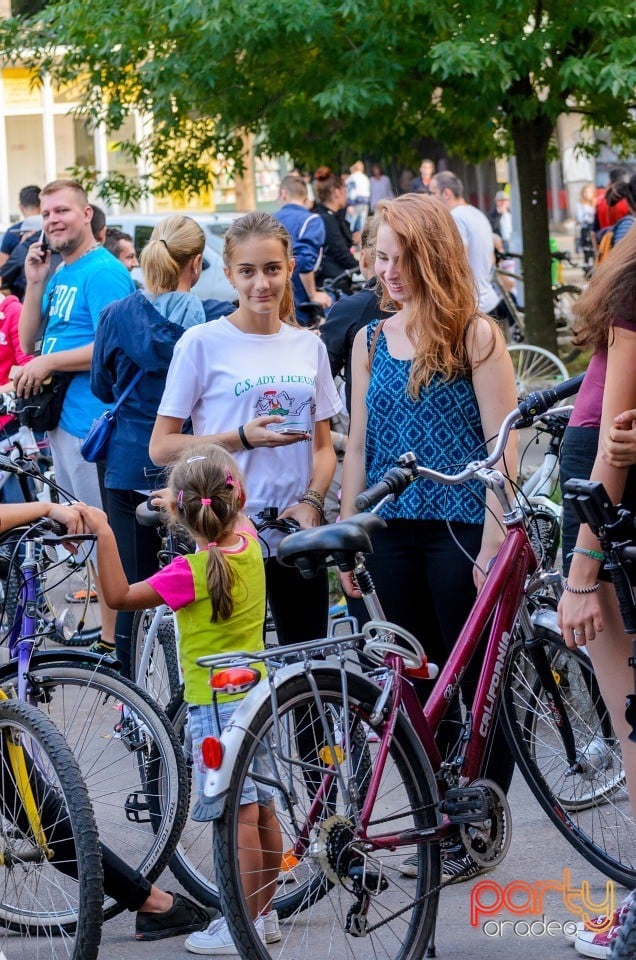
{"x": 593, "y": 554}
{"x": 316, "y": 501}
{"x": 243, "y": 438}
{"x": 581, "y": 590}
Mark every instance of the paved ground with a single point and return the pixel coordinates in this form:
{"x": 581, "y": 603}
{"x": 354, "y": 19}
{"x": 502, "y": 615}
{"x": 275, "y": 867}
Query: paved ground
{"x": 537, "y": 854}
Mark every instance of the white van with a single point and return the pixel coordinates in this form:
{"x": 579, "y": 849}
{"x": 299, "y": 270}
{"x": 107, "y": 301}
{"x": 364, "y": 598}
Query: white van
{"x": 212, "y": 284}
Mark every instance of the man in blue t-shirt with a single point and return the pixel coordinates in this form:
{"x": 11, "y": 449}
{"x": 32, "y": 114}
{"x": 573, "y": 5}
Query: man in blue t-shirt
{"x": 308, "y": 236}
{"x": 68, "y": 306}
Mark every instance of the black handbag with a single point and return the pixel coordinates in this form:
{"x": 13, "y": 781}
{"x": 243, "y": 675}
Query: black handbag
{"x": 42, "y": 411}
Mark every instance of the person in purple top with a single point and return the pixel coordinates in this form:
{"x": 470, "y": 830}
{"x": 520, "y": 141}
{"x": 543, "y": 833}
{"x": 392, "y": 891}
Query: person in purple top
{"x": 588, "y": 612}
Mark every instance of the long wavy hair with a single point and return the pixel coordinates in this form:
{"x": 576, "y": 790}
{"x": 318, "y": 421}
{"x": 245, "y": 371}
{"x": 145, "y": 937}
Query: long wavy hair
{"x": 261, "y": 224}
{"x": 434, "y": 266}
{"x": 207, "y": 487}
{"x": 610, "y": 295}
{"x": 173, "y": 243}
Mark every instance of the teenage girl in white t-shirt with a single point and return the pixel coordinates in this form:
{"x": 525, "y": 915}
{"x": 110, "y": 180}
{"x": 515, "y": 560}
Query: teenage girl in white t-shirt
{"x": 260, "y": 386}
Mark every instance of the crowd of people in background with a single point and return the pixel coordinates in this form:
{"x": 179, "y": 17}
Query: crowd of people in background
{"x": 239, "y": 402}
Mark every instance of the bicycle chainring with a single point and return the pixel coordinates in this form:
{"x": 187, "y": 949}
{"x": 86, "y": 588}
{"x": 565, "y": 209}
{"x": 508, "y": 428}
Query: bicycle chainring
{"x": 487, "y": 841}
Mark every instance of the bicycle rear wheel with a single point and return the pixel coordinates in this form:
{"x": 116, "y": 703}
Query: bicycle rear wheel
{"x": 535, "y": 368}
{"x": 322, "y": 863}
{"x": 45, "y": 910}
{"x": 128, "y": 754}
{"x": 589, "y": 805}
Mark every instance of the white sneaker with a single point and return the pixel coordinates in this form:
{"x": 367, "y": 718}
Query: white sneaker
{"x": 271, "y": 928}
{"x": 215, "y": 941}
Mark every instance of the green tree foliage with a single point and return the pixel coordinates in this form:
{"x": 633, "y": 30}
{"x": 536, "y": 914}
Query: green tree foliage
{"x": 325, "y": 80}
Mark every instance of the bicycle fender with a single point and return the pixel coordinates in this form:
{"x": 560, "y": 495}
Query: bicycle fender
{"x": 43, "y": 658}
{"x": 217, "y": 782}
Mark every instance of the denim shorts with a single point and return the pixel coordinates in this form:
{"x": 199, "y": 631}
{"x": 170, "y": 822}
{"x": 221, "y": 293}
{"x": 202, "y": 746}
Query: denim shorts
{"x": 203, "y": 722}
{"x": 578, "y": 453}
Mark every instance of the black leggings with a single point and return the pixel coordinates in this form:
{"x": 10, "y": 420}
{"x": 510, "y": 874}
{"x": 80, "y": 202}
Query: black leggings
{"x": 425, "y": 584}
{"x": 121, "y": 882}
{"x": 300, "y": 608}
{"x": 138, "y": 548}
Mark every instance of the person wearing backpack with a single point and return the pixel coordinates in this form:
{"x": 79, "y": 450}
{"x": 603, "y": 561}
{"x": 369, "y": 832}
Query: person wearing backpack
{"x": 611, "y": 235}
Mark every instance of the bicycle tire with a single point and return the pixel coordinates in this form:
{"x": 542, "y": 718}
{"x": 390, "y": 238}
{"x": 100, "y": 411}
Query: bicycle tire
{"x": 591, "y": 808}
{"x": 624, "y": 947}
{"x": 563, "y": 298}
{"x": 161, "y": 678}
{"x": 54, "y": 915}
{"x": 191, "y": 862}
{"x": 400, "y": 916}
{"x": 129, "y": 756}
{"x": 535, "y": 368}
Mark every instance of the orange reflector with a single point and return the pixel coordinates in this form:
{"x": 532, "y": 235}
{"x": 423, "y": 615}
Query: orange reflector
{"x": 327, "y": 757}
{"x": 289, "y": 861}
{"x": 212, "y": 752}
{"x": 234, "y": 680}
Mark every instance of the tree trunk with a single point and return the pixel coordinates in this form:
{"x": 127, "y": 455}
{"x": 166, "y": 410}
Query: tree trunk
{"x": 244, "y": 182}
{"x": 531, "y": 139}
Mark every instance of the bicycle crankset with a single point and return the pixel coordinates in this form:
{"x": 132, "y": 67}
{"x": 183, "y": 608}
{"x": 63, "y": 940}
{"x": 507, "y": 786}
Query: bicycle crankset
{"x": 487, "y": 840}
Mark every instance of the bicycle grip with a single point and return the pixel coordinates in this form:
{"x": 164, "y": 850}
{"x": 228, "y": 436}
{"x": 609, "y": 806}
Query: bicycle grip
{"x": 537, "y": 403}
{"x": 395, "y": 481}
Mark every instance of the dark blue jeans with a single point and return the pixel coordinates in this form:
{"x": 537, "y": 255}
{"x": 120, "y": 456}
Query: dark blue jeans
{"x": 425, "y": 584}
{"x": 138, "y": 548}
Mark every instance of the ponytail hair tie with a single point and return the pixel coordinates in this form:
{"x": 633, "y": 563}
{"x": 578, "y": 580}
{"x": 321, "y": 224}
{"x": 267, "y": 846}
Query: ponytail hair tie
{"x": 161, "y": 240}
{"x": 205, "y": 501}
{"x": 180, "y": 500}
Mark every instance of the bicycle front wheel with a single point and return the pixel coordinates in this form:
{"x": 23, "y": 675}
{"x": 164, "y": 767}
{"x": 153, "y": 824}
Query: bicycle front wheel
{"x": 50, "y": 861}
{"x": 153, "y": 643}
{"x": 587, "y": 801}
{"x": 326, "y": 903}
{"x": 535, "y": 368}
{"x": 128, "y": 754}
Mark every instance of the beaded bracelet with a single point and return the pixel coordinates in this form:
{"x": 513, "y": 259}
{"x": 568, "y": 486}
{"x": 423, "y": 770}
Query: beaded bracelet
{"x": 243, "y": 438}
{"x": 570, "y": 589}
{"x": 593, "y": 554}
{"x": 315, "y": 500}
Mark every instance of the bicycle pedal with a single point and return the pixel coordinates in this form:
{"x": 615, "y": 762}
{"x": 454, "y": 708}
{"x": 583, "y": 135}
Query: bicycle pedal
{"x": 464, "y": 804}
{"x": 135, "y": 808}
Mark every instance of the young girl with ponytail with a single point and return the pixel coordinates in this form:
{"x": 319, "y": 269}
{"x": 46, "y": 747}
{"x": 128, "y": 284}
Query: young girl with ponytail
{"x": 218, "y": 595}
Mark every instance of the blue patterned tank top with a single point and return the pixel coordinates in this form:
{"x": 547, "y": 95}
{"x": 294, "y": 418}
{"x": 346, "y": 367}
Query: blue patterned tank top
{"x": 443, "y": 428}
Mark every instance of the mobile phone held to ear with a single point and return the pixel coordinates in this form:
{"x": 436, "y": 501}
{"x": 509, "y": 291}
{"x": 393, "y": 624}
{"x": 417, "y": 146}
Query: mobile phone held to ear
{"x": 44, "y": 246}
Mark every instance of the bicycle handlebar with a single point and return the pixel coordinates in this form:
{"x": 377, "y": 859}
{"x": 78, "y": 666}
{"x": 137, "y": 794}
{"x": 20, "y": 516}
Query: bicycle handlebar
{"x": 398, "y": 478}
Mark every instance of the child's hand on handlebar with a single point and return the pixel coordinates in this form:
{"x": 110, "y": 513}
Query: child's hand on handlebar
{"x": 69, "y": 516}
{"x": 95, "y": 521}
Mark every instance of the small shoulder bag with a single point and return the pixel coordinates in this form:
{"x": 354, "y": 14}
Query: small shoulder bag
{"x": 95, "y": 445}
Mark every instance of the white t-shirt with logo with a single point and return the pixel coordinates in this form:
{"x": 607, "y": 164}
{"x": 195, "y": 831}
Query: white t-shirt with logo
{"x": 476, "y": 232}
{"x": 222, "y": 377}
